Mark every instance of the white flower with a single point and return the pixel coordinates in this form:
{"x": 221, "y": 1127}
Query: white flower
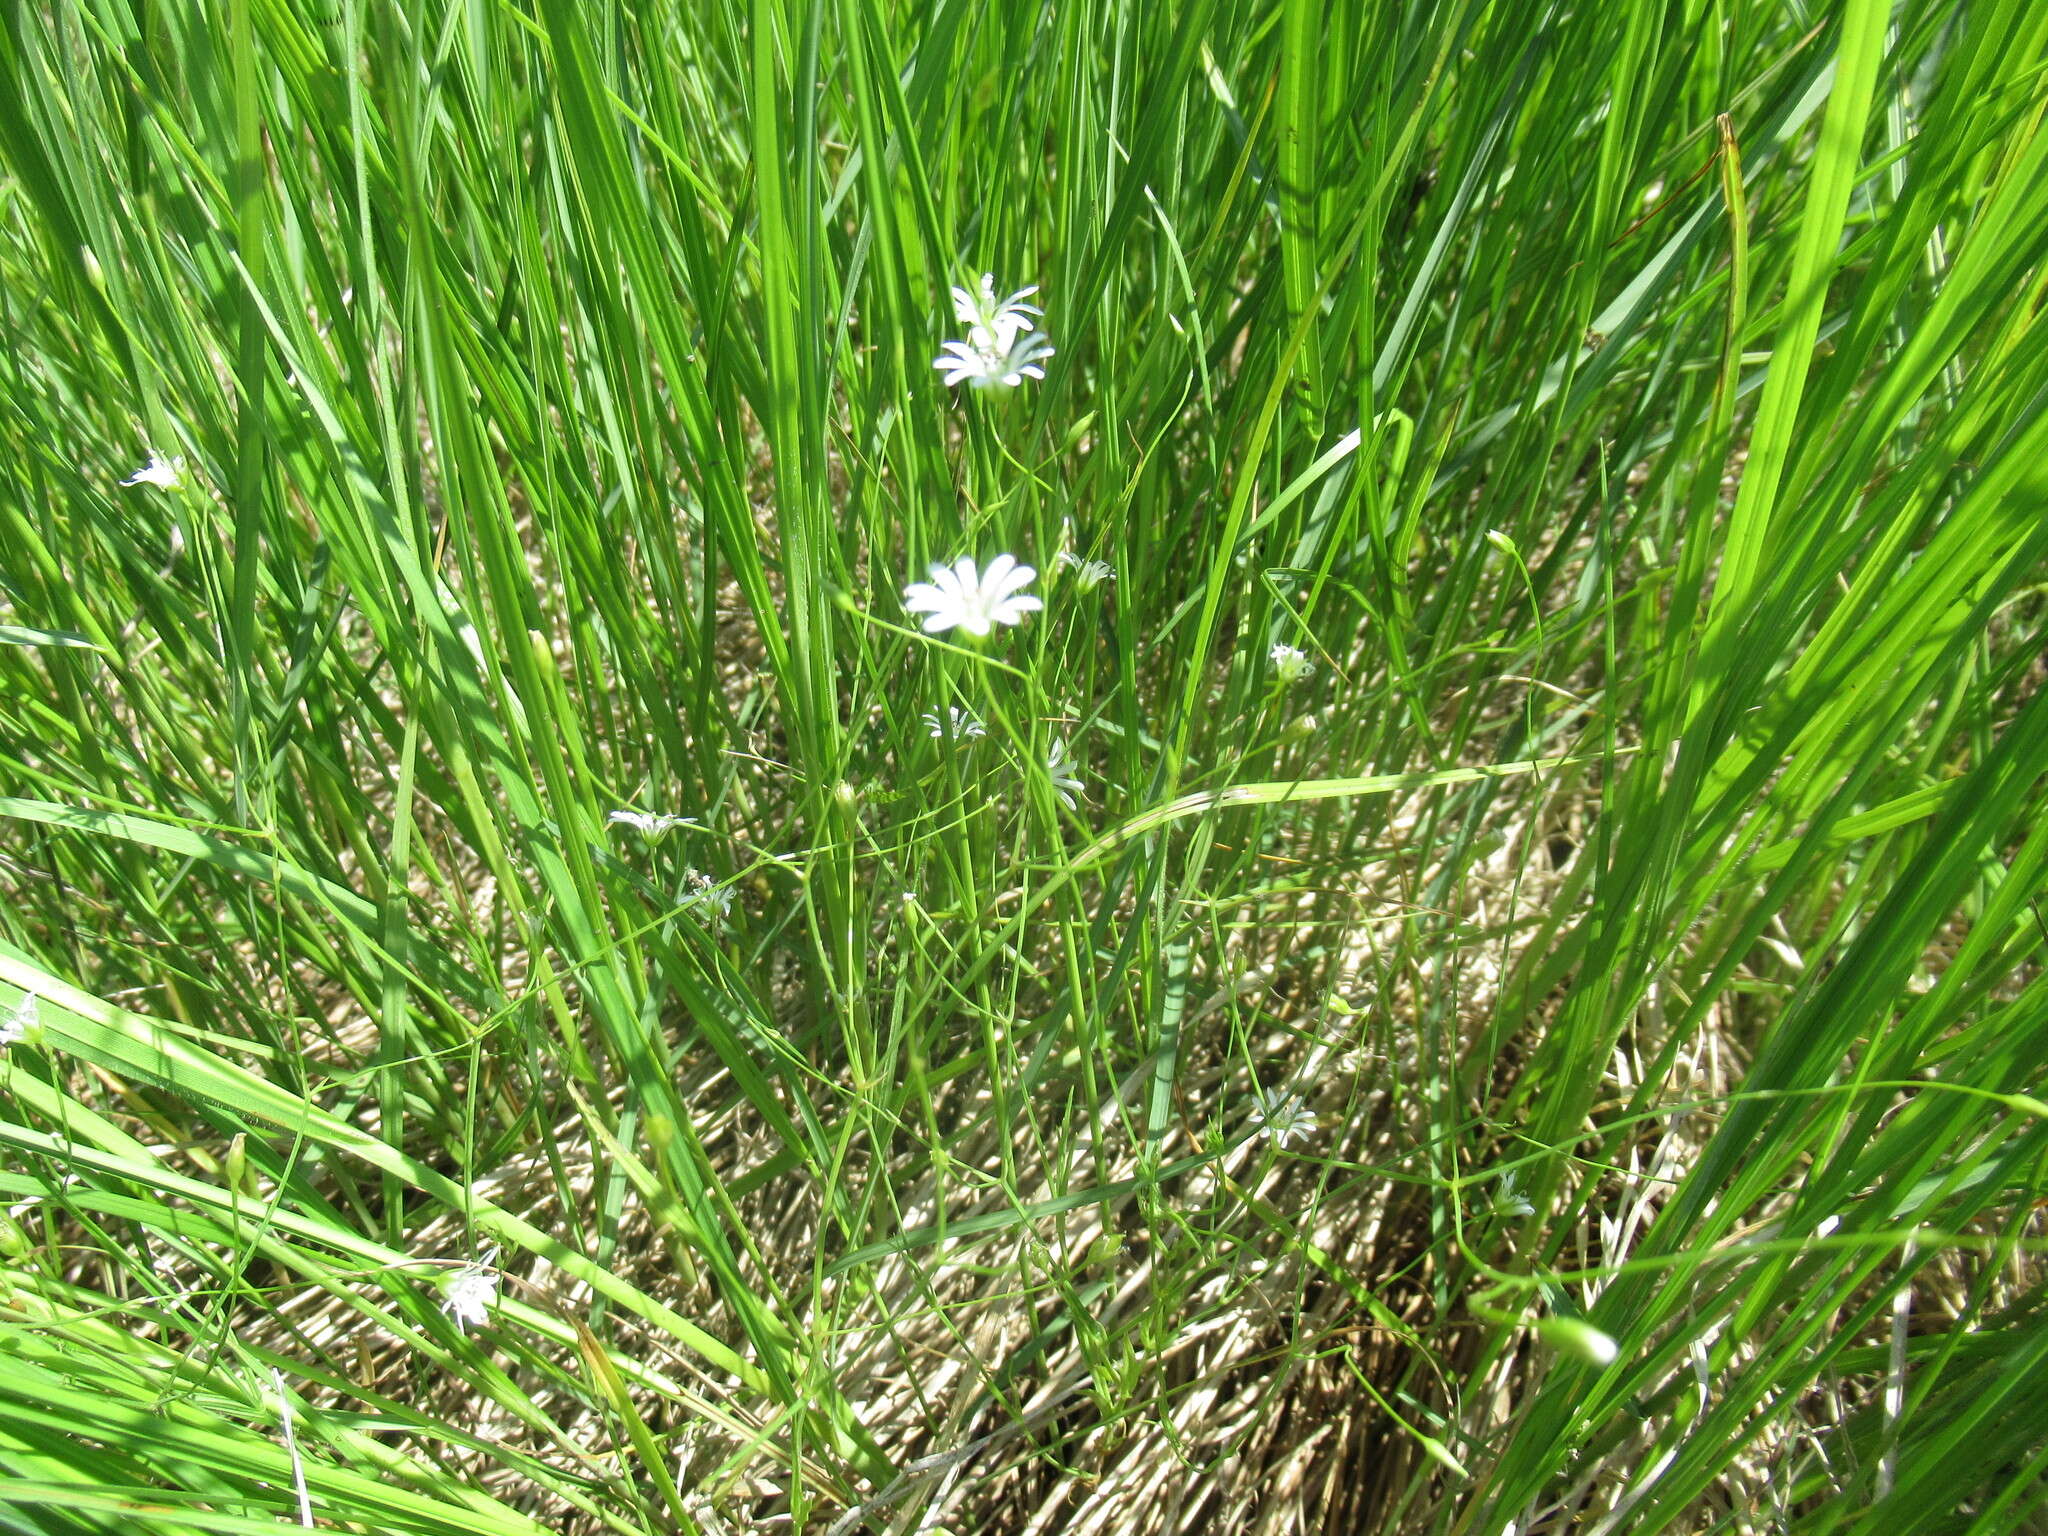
{"x": 165, "y": 474}
{"x": 1004, "y": 345}
{"x": 21, "y": 1018}
{"x": 976, "y": 601}
{"x": 984, "y": 360}
{"x": 705, "y": 891}
{"x": 1090, "y": 574}
{"x": 1290, "y": 665}
{"x": 1065, "y": 776}
{"x": 649, "y": 824}
{"x": 469, "y": 1296}
{"x": 1510, "y": 1201}
{"x": 964, "y": 727}
{"x": 1280, "y": 1117}
{"x": 999, "y": 321}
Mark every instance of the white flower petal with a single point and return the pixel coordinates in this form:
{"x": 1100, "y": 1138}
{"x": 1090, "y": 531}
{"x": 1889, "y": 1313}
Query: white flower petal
{"x": 1014, "y": 576}
{"x": 924, "y": 597}
{"x": 962, "y": 597}
{"x": 1280, "y": 1117}
{"x": 165, "y": 474}
{"x": 21, "y": 1018}
{"x": 469, "y": 1296}
{"x": 1065, "y": 776}
{"x": 1290, "y": 665}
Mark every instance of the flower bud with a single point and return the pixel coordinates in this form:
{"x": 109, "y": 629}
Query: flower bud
{"x": 1576, "y": 1337}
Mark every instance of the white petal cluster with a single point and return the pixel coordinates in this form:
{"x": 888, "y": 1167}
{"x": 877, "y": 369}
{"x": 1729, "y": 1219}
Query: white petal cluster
{"x": 649, "y": 824}
{"x": 1065, "y": 775}
{"x": 961, "y": 596}
{"x": 1004, "y": 345}
{"x": 165, "y": 474}
{"x": 21, "y": 1018}
{"x": 963, "y": 726}
{"x": 1290, "y": 666}
{"x": 1002, "y": 319}
{"x": 706, "y": 892}
{"x": 1280, "y": 1117}
{"x": 469, "y": 1296}
{"x": 1088, "y": 574}
{"x": 984, "y": 367}
{"x": 1509, "y": 1200}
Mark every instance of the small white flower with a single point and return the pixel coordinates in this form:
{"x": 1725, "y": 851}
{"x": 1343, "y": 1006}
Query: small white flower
{"x": 21, "y": 1018}
{"x": 1004, "y": 345}
{"x": 961, "y": 596}
{"x": 165, "y": 474}
{"x": 649, "y": 824}
{"x": 998, "y": 320}
{"x": 469, "y": 1295}
{"x": 1280, "y": 1117}
{"x": 705, "y": 891}
{"x": 964, "y": 727}
{"x": 1065, "y": 775}
{"x": 987, "y": 361}
{"x": 1290, "y": 666}
{"x": 1088, "y": 574}
{"x": 1509, "y": 1200}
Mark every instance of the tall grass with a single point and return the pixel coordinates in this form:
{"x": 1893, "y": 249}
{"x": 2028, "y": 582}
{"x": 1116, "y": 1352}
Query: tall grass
{"x": 1633, "y": 412}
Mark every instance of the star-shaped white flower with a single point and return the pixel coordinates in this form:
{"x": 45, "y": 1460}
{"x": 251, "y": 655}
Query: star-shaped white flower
{"x": 649, "y": 824}
{"x": 1004, "y": 344}
{"x": 706, "y": 892}
{"x": 1088, "y": 574}
{"x": 1508, "y": 1200}
{"x": 963, "y": 597}
{"x": 1065, "y": 775}
{"x": 469, "y": 1296}
{"x": 998, "y": 319}
{"x": 165, "y": 474}
{"x": 1280, "y": 1117}
{"x": 986, "y": 360}
{"x": 21, "y": 1018}
{"x": 964, "y": 726}
{"x": 1290, "y": 666}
